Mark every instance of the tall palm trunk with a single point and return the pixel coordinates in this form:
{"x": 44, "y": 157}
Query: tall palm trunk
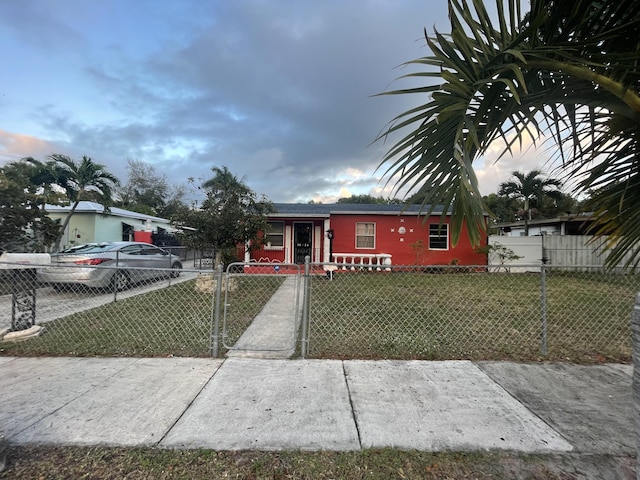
{"x": 65, "y": 224}
{"x": 527, "y": 217}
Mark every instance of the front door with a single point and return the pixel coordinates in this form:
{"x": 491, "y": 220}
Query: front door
{"x": 302, "y": 241}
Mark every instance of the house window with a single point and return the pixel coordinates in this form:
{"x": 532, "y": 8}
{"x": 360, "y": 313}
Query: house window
{"x": 365, "y": 235}
{"x": 438, "y": 236}
{"x": 275, "y": 235}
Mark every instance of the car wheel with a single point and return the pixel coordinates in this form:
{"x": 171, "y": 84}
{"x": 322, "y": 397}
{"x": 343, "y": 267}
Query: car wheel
{"x": 120, "y": 280}
{"x": 175, "y": 270}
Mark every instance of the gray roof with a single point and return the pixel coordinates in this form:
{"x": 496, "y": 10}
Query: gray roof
{"x": 94, "y": 207}
{"x": 326, "y": 209}
{"x": 573, "y": 217}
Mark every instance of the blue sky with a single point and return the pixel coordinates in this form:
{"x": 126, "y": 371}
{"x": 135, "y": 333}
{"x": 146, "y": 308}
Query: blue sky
{"x": 279, "y": 91}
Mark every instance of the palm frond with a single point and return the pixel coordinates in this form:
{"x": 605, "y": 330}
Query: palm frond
{"x": 565, "y": 69}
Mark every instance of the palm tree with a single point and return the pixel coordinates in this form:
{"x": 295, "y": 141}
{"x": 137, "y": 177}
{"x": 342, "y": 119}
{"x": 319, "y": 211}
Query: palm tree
{"x": 570, "y": 70}
{"x": 530, "y": 187}
{"x": 81, "y": 180}
{"x": 231, "y": 215}
{"x": 225, "y": 186}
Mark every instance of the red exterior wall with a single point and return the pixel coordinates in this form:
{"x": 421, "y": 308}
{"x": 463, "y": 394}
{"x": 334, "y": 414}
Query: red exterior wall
{"x": 287, "y": 252}
{"x": 389, "y": 240}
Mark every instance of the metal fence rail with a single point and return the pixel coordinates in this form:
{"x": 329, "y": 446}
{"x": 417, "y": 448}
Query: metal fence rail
{"x": 443, "y": 312}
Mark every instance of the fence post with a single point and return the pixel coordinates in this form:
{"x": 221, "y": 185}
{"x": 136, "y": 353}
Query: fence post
{"x": 635, "y": 335}
{"x": 115, "y": 278}
{"x": 215, "y": 337}
{"x": 3, "y": 451}
{"x": 543, "y": 308}
{"x": 304, "y": 347}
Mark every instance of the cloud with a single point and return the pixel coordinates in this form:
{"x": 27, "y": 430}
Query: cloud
{"x": 496, "y": 166}
{"x": 278, "y": 91}
{"x": 13, "y": 146}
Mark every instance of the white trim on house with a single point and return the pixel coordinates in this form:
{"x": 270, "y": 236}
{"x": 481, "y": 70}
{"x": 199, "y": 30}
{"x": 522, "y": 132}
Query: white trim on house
{"x": 93, "y": 207}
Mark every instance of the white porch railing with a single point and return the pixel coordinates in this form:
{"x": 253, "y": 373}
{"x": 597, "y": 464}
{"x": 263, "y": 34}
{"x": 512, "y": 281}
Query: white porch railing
{"x": 362, "y": 261}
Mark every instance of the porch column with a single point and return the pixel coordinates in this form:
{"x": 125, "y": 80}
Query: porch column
{"x": 288, "y": 244}
{"x": 325, "y": 244}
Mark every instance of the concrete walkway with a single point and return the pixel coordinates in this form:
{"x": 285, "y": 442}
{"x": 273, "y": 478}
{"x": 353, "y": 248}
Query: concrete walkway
{"x": 261, "y": 404}
{"x": 273, "y": 333}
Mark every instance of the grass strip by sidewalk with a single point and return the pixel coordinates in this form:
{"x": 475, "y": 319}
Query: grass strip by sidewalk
{"x": 136, "y": 464}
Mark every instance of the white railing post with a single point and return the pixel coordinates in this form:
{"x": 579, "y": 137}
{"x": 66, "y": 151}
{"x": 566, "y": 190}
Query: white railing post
{"x": 363, "y": 261}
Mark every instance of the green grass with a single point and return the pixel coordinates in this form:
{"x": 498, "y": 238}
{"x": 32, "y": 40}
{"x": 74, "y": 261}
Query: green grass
{"x": 173, "y": 321}
{"x": 472, "y": 316}
{"x": 150, "y": 463}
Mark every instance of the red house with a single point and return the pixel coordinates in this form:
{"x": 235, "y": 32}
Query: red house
{"x": 362, "y": 234}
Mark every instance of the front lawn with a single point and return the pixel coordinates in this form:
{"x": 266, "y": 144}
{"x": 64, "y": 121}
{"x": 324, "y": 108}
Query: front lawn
{"x": 477, "y": 316}
{"x": 172, "y": 321}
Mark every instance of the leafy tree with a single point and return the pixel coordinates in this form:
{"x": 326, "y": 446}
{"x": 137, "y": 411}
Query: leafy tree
{"x": 570, "y": 70}
{"x": 554, "y": 207}
{"x": 230, "y": 216}
{"x": 504, "y": 209}
{"x": 149, "y": 192}
{"x": 501, "y": 253}
{"x": 531, "y": 188}
{"x": 83, "y": 180}
{"x": 24, "y": 224}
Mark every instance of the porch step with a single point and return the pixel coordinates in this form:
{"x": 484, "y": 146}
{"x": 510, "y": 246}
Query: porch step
{"x": 273, "y": 333}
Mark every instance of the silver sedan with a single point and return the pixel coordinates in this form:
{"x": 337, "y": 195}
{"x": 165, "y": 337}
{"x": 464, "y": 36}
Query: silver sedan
{"x": 94, "y": 265}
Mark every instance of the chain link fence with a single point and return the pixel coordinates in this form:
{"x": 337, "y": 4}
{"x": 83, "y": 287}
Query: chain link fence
{"x": 443, "y": 312}
{"x": 477, "y": 313}
{"x": 163, "y": 315}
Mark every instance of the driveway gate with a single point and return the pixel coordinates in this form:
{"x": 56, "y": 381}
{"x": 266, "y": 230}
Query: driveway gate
{"x": 262, "y": 306}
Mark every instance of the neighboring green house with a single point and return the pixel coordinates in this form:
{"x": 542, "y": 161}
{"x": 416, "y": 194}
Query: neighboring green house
{"x": 90, "y": 224}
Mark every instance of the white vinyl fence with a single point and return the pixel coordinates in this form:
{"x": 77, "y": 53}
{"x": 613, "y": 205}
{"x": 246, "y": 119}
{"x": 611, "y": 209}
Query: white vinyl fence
{"x": 555, "y": 250}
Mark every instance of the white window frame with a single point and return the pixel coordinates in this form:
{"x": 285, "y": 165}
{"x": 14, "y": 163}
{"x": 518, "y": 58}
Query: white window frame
{"x": 268, "y": 235}
{"x": 439, "y": 235}
{"x": 366, "y": 236}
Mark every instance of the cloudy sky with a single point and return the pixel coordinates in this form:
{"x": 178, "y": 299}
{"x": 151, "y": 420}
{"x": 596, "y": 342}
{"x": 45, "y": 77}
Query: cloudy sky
{"x": 279, "y": 91}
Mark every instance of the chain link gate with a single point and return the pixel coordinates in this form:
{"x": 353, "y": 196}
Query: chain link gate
{"x": 261, "y": 308}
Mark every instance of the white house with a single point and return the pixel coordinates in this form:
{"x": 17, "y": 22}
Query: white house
{"x": 574, "y": 224}
{"x": 90, "y": 224}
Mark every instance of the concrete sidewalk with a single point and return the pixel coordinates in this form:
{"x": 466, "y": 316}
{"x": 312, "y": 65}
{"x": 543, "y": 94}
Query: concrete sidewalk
{"x": 259, "y": 404}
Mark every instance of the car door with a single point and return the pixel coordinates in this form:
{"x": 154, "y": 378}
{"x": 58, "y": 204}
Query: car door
{"x": 155, "y": 257}
{"x": 131, "y": 256}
